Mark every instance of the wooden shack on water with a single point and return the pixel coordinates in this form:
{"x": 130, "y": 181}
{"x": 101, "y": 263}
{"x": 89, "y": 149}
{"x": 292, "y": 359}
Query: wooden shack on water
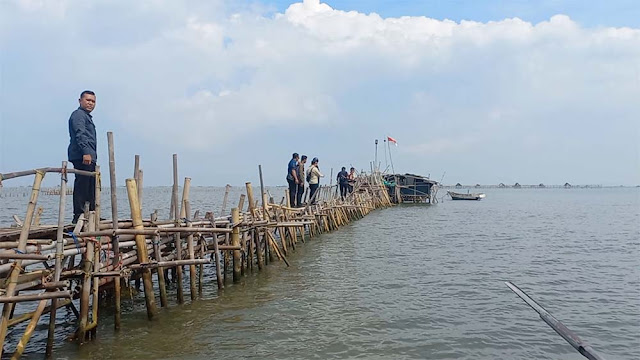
{"x": 411, "y": 188}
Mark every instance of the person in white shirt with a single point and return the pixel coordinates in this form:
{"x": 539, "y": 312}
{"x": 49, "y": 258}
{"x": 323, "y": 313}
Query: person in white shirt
{"x": 351, "y": 179}
{"x": 313, "y": 176}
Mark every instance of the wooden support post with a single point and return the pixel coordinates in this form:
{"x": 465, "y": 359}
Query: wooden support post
{"x": 241, "y": 202}
{"x": 190, "y": 247}
{"x": 252, "y": 211}
{"x": 178, "y": 241}
{"x": 96, "y": 284}
{"x": 140, "y": 181}
{"x": 30, "y": 329}
{"x": 160, "y": 272}
{"x": 224, "y": 200}
{"x": 141, "y": 247}
{"x": 87, "y": 268}
{"x": 114, "y": 218}
{"x": 203, "y": 247}
{"x": 235, "y": 241}
{"x": 59, "y": 257}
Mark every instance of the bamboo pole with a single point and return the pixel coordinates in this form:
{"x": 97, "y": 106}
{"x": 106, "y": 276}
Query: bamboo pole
{"x": 140, "y": 181}
{"x": 202, "y": 244}
{"x": 235, "y": 241}
{"x": 96, "y": 286}
{"x": 160, "y": 273}
{"x": 224, "y": 200}
{"x": 29, "y": 330}
{"x": 114, "y": 220}
{"x": 141, "y": 248}
{"x": 252, "y": 212}
{"x": 176, "y": 218}
{"x": 191, "y": 251}
{"x": 86, "y": 283}
{"x": 59, "y": 258}
{"x": 36, "y": 220}
{"x": 22, "y": 243}
{"x": 241, "y": 202}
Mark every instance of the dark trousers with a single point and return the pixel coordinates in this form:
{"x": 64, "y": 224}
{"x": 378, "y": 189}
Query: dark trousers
{"x": 300, "y": 195}
{"x": 312, "y": 190}
{"x": 293, "y": 191}
{"x": 343, "y": 189}
{"x": 84, "y": 189}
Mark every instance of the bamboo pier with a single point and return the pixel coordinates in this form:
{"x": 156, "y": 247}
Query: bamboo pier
{"x": 91, "y": 263}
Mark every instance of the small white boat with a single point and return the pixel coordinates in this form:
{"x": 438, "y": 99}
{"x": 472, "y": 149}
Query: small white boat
{"x": 467, "y": 196}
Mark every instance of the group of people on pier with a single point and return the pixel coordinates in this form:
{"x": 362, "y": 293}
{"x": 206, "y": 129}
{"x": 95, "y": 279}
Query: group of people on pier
{"x": 297, "y": 176}
{"x": 296, "y": 179}
{"x": 346, "y": 180}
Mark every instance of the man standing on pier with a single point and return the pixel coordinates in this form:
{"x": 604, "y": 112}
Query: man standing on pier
{"x": 293, "y": 179}
{"x": 303, "y": 160}
{"x": 343, "y": 182}
{"x": 83, "y": 153}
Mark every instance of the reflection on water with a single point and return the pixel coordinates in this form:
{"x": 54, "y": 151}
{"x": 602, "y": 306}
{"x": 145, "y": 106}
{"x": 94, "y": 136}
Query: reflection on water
{"x": 416, "y": 282}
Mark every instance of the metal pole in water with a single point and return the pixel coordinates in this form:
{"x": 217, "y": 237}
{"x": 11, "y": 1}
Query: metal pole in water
{"x": 581, "y": 346}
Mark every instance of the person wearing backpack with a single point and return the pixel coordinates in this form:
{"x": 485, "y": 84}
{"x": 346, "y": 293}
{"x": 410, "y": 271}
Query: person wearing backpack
{"x": 313, "y": 178}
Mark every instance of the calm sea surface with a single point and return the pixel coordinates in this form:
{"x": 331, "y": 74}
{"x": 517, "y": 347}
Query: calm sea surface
{"x": 409, "y": 282}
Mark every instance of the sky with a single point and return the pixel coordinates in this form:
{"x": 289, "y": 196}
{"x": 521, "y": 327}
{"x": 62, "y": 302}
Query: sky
{"x": 476, "y": 91}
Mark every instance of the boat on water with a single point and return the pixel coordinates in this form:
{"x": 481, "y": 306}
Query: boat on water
{"x": 467, "y": 196}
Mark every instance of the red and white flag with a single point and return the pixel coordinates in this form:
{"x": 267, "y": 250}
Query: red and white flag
{"x": 390, "y": 139}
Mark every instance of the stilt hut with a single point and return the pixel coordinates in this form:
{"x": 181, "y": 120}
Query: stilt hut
{"x": 411, "y": 188}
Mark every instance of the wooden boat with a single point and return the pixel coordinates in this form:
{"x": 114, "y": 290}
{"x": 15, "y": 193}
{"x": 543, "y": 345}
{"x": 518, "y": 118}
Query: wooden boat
{"x": 468, "y": 196}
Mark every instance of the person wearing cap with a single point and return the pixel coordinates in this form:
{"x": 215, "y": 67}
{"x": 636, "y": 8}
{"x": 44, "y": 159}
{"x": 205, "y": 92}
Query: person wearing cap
{"x": 314, "y": 176}
{"x": 300, "y": 193}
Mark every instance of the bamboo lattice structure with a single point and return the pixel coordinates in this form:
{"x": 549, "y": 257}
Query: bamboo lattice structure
{"x": 53, "y": 266}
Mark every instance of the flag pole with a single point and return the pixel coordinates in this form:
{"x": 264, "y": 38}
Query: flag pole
{"x": 386, "y": 162}
{"x": 390, "y": 158}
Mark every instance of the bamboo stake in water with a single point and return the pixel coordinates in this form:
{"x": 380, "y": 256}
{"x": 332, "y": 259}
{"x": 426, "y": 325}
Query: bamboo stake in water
{"x": 176, "y": 217}
{"x": 241, "y": 202}
{"x": 160, "y": 272}
{"x": 59, "y": 257}
{"x": 29, "y": 330}
{"x": 224, "y": 200}
{"x": 141, "y": 247}
{"x": 191, "y": 251}
{"x": 216, "y": 253}
{"x": 140, "y": 187}
{"x": 114, "y": 219}
{"x": 252, "y": 212}
{"x": 86, "y": 282}
{"x": 235, "y": 241}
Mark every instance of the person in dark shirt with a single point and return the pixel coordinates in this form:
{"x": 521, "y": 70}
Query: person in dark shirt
{"x": 301, "y": 172}
{"x": 292, "y": 178}
{"x": 343, "y": 182}
{"x": 83, "y": 152}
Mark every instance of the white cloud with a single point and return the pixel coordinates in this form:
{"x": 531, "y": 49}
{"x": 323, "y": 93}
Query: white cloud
{"x": 220, "y": 70}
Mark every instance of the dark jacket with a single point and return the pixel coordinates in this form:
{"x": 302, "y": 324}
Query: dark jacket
{"x": 342, "y": 177}
{"x": 82, "y": 133}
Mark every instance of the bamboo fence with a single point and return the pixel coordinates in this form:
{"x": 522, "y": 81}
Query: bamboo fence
{"x": 93, "y": 261}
